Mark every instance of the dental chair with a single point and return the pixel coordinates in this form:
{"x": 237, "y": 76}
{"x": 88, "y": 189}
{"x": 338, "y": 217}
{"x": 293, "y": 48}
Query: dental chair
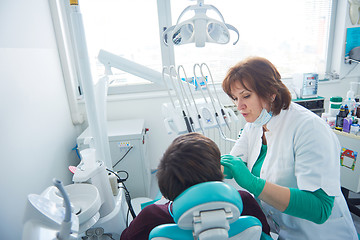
{"x": 209, "y": 211}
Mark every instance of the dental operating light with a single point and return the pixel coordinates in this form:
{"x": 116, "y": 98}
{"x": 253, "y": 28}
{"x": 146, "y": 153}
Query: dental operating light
{"x": 200, "y": 28}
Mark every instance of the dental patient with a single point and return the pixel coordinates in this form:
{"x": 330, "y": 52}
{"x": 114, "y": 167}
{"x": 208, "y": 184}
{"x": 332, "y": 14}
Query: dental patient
{"x": 190, "y": 159}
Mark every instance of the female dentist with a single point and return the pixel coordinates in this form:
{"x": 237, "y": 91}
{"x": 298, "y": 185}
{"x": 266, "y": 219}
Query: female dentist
{"x": 286, "y": 156}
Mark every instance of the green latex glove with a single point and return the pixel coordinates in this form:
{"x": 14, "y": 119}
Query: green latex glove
{"x": 242, "y": 175}
{"x": 227, "y": 173}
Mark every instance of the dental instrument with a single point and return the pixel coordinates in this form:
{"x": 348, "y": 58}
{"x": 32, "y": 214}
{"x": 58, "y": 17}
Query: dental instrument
{"x": 212, "y": 80}
{"x": 188, "y": 121}
{"x": 172, "y": 120}
{"x": 171, "y": 108}
{"x": 186, "y": 98}
{"x": 65, "y": 229}
{"x": 206, "y": 111}
{"x": 192, "y": 96}
{"x": 200, "y": 28}
{"x": 204, "y": 81}
{"x": 196, "y": 81}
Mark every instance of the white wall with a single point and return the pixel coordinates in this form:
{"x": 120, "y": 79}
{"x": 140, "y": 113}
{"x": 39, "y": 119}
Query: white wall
{"x": 147, "y": 107}
{"x": 37, "y": 134}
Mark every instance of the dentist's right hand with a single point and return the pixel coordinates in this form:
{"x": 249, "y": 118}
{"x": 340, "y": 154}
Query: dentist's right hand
{"x": 242, "y": 175}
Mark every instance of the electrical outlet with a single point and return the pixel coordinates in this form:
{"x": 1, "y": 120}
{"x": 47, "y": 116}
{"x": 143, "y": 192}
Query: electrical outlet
{"x": 124, "y": 144}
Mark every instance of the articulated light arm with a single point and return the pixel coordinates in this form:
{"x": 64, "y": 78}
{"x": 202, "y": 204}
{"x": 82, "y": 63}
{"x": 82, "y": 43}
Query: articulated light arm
{"x": 111, "y": 60}
{"x": 200, "y": 28}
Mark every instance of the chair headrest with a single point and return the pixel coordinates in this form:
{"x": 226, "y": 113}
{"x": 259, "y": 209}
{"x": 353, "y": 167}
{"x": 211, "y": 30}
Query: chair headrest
{"x": 207, "y": 194}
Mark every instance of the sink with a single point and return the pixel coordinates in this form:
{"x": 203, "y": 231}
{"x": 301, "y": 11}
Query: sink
{"x": 85, "y": 198}
{"x": 85, "y": 202}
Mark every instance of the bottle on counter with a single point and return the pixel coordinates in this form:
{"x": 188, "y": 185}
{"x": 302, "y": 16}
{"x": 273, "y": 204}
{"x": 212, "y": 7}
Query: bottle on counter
{"x": 354, "y": 129}
{"x": 334, "y": 105}
{"x": 346, "y": 109}
{"x": 340, "y": 119}
{"x": 347, "y": 124}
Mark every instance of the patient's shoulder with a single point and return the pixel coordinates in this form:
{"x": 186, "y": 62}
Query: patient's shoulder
{"x": 246, "y": 195}
{"x": 250, "y": 205}
{"x": 156, "y": 210}
{"x": 252, "y": 208}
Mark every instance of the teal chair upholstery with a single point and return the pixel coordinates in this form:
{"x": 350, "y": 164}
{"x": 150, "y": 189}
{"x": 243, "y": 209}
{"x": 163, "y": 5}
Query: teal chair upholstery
{"x": 209, "y": 211}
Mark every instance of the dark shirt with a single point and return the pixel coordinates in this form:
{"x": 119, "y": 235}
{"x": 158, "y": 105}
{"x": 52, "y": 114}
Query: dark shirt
{"x": 155, "y": 215}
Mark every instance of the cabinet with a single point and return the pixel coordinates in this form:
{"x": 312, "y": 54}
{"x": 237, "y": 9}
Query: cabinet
{"x": 315, "y": 105}
{"x": 350, "y": 168}
{"x": 127, "y": 142}
{"x": 350, "y": 164}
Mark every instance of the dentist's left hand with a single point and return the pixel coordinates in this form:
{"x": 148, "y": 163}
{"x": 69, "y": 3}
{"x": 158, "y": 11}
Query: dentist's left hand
{"x": 242, "y": 175}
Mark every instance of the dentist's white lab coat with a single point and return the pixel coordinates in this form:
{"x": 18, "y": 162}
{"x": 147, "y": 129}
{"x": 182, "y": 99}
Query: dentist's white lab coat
{"x": 302, "y": 153}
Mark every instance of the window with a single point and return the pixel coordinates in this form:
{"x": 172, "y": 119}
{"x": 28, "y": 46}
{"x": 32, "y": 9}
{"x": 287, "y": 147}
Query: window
{"x": 125, "y": 28}
{"x": 292, "y": 34}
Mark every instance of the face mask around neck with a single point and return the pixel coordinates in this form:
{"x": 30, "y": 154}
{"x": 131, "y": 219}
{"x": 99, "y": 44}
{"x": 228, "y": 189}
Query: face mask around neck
{"x": 263, "y": 118}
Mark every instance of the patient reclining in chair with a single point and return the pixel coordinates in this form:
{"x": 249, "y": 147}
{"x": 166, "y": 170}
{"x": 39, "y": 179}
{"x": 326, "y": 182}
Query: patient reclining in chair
{"x": 191, "y": 159}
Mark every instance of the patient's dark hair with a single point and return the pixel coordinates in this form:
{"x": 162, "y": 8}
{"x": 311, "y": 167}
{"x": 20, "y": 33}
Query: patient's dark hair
{"x": 190, "y": 159}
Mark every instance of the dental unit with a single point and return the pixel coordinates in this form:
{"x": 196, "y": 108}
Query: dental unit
{"x": 198, "y": 29}
{"x": 96, "y": 203}
{"x": 98, "y": 211}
